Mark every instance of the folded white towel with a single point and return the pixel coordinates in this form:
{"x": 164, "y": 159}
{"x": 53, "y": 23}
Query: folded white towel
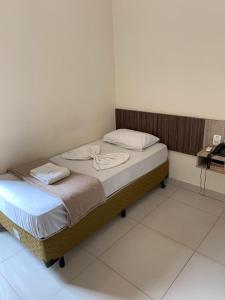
{"x": 111, "y": 160}
{"x": 82, "y": 153}
{"x": 50, "y": 173}
{"x": 100, "y": 161}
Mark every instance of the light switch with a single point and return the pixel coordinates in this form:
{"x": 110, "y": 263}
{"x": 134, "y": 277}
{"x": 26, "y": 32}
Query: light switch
{"x": 216, "y": 139}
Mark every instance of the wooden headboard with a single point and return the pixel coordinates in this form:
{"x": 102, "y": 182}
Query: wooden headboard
{"x": 181, "y": 134}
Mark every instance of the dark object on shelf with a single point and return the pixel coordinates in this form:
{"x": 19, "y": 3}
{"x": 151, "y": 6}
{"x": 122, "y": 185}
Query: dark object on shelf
{"x": 219, "y": 151}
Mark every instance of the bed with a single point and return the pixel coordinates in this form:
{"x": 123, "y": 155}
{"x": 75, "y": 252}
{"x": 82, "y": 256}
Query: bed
{"x": 39, "y": 220}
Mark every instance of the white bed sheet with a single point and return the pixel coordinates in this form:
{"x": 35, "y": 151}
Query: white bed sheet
{"x": 35, "y": 211}
{"x": 139, "y": 163}
{"x": 43, "y": 215}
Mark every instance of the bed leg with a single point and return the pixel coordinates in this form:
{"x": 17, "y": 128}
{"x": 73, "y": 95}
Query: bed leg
{"x": 2, "y": 229}
{"x": 162, "y": 184}
{"x": 62, "y": 262}
{"x": 51, "y": 262}
{"x": 123, "y": 213}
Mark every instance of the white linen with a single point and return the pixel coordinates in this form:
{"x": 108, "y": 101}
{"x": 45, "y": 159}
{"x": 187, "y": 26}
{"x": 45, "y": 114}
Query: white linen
{"x": 82, "y": 153}
{"x": 34, "y": 210}
{"x": 139, "y": 163}
{"x": 50, "y": 173}
{"x": 111, "y": 160}
{"x": 130, "y": 139}
{"x": 100, "y": 162}
{"x": 43, "y": 215}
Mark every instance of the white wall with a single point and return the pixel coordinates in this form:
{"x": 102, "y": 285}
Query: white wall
{"x": 170, "y": 58}
{"x": 57, "y": 71}
{"x": 56, "y": 78}
{"x": 183, "y": 167}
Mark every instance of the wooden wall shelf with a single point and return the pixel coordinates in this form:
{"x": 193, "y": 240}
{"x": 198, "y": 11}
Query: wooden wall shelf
{"x": 217, "y": 165}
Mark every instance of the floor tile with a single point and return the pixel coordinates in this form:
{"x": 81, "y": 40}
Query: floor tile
{"x": 214, "y": 245}
{"x": 168, "y": 191}
{"x": 144, "y": 206}
{"x": 147, "y": 259}
{"x": 181, "y": 222}
{"x": 201, "y": 279}
{"x": 104, "y": 238}
{"x": 6, "y": 291}
{"x": 32, "y": 280}
{"x": 98, "y": 282}
{"x": 207, "y": 204}
{"x": 9, "y": 245}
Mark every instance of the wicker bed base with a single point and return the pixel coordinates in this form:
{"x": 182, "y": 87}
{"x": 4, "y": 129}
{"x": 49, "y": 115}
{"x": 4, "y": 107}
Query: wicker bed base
{"x": 62, "y": 242}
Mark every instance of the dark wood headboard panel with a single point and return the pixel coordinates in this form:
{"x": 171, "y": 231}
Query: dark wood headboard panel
{"x": 181, "y": 134}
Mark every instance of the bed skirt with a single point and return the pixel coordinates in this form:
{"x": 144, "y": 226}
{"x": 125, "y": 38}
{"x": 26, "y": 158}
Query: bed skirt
{"x": 59, "y": 244}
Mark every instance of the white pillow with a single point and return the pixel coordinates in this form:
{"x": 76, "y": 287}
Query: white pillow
{"x": 130, "y": 139}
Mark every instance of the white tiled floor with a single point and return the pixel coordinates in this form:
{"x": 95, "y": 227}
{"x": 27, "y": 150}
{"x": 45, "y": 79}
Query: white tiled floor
{"x": 104, "y": 238}
{"x": 99, "y": 282}
{"x": 214, "y": 245}
{"x": 8, "y": 246}
{"x": 198, "y": 201}
{"x": 183, "y": 223}
{"x": 201, "y": 279}
{"x": 144, "y": 206}
{"x": 6, "y": 292}
{"x": 170, "y": 246}
{"x": 147, "y": 259}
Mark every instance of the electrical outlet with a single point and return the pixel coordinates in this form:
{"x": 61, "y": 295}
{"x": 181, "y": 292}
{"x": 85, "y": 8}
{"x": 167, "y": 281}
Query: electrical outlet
{"x": 216, "y": 139}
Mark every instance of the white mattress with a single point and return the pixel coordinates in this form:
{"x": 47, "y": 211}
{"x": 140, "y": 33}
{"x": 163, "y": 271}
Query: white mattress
{"x": 43, "y": 215}
{"x": 35, "y": 211}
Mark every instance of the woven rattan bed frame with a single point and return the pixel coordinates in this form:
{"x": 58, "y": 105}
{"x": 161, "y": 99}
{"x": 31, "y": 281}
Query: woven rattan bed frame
{"x": 54, "y": 248}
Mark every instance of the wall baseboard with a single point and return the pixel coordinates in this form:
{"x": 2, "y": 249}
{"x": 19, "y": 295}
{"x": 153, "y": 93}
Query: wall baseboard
{"x": 195, "y": 188}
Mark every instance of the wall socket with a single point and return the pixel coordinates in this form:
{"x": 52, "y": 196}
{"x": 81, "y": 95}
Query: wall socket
{"x": 216, "y": 139}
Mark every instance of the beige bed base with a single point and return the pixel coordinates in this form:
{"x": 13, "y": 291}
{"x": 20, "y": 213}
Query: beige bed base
{"x": 55, "y": 247}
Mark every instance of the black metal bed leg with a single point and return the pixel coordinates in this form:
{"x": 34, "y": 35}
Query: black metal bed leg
{"x": 51, "y": 262}
{"x": 162, "y": 184}
{"x": 62, "y": 262}
{"x": 2, "y": 229}
{"x": 123, "y": 213}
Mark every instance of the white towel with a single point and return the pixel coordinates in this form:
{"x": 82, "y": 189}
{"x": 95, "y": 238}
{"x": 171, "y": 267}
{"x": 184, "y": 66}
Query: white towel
{"x": 100, "y": 161}
{"x": 50, "y": 173}
{"x": 82, "y": 153}
{"x": 111, "y": 160}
